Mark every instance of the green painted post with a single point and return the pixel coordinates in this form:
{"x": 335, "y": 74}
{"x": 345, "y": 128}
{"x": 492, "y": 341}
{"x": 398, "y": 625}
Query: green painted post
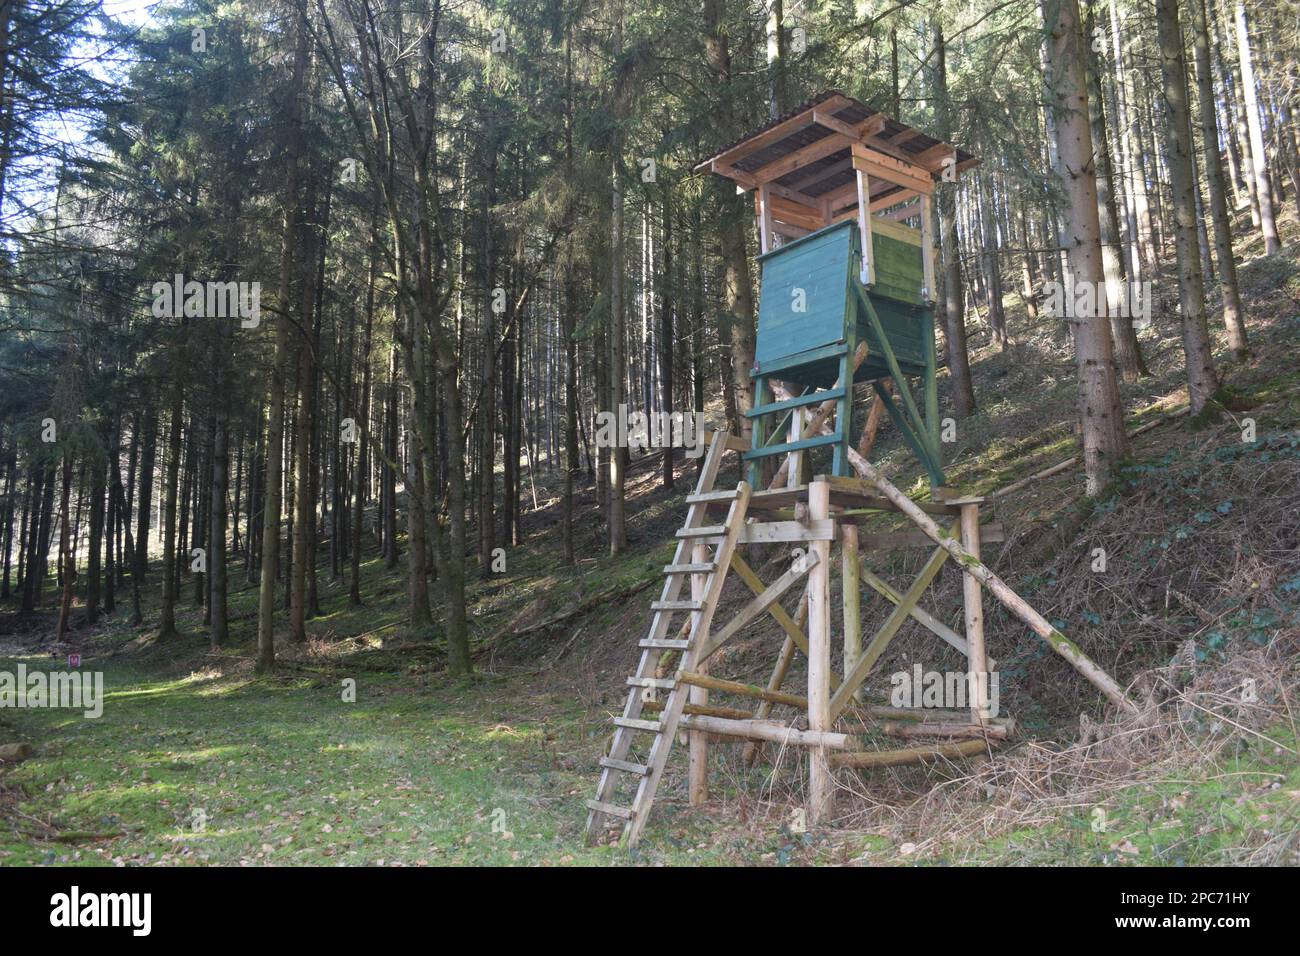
{"x": 931, "y": 381}
{"x": 762, "y": 396}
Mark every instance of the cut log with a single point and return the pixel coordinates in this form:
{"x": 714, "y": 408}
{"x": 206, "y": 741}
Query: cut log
{"x": 914, "y": 714}
{"x": 701, "y": 710}
{"x": 932, "y": 728}
{"x": 898, "y": 758}
{"x": 745, "y": 690}
{"x": 772, "y": 731}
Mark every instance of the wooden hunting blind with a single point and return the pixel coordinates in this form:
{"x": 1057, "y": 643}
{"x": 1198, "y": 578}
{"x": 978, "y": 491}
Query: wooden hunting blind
{"x": 846, "y": 296}
{"x": 842, "y": 198}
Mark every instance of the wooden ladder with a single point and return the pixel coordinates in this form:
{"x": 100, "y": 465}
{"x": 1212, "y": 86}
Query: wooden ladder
{"x": 643, "y": 684}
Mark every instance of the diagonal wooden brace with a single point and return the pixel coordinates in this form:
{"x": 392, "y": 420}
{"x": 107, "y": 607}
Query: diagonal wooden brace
{"x": 1013, "y": 602}
{"x": 871, "y": 653}
{"x": 769, "y": 596}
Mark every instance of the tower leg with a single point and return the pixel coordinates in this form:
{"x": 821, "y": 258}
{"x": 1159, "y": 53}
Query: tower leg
{"x": 977, "y": 666}
{"x": 820, "y": 783}
{"x": 758, "y": 430}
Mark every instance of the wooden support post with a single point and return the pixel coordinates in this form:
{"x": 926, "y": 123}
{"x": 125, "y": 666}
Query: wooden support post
{"x": 698, "y": 747}
{"x": 762, "y": 396}
{"x": 927, "y": 251}
{"x": 844, "y": 407}
{"x": 794, "y": 466}
{"x": 868, "y": 275}
{"x": 820, "y": 783}
{"x": 763, "y": 197}
{"x": 972, "y": 596}
{"x": 852, "y": 597}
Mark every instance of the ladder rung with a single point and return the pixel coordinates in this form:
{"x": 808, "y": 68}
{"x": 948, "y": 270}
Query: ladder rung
{"x": 801, "y": 445}
{"x": 664, "y": 683}
{"x": 611, "y": 809}
{"x": 705, "y": 497}
{"x": 665, "y": 644}
{"x": 625, "y": 765}
{"x": 631, "y": 723}
{"x": 699, "y": 568}
{"x": 811, "y": 398}
{"x": 675, "y": 605}
{"x": 703, "y": 531}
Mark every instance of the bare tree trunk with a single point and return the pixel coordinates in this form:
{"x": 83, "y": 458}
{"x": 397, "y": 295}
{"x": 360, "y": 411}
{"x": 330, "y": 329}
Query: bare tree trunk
{"x": 1100, "y": 413}
{"x": 98, "y": 466}
{"x": 167, "y": 613}
{"x": 140, "y": 553}
{"x": 618, "y": 454}
{"x": 1202, "y": 381}
{"x": 272, "y": 502}
{"x": 1234, "y": 318}
{"x": 1128, "y": 353}
{"x": 992, "y": 266}
{"x": 738, "y": 318}
{"x": 666, "y": 305}
{"x": 218, "y": 580}
{"x": 954, "y": 322}
{"x": 1258, "y": 158}
{"x": 304, "y": 503}
{"x": 67, "y": 563}
{"x": 363, "y": 427}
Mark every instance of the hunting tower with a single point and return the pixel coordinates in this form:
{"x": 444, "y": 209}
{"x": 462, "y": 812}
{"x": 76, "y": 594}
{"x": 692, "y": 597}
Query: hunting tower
{"x": 842, "y": 198}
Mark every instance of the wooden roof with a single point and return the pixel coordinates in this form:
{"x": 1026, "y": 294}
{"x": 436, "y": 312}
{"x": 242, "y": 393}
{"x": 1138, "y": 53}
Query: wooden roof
{"x": 809, "y": 150}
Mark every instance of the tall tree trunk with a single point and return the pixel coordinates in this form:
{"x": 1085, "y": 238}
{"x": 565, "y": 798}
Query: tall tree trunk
{"x": 363, "y": 426}
{"x": 144, "y": 502}
{"x": 218, "y": 578}
{"x": 304, "y": 503}
{"x": 7, "y": 528}
{"x": 1234, "y": 318}
{"x": 738, "y": 316}
{"x": 666, "y": 305}
{"x": 67, "y": 560}
{"x": 98, "y": 465}
{"x": 1254, "y": 123}
{"x": 1202, "y": 381}
{"x": 1101, "y": 415}
{"x": 992, "y": 267}
{"x": 954, "y": 322}
{"x": 488, "y": 403}
{"x": 272, "y": 502}
{"x": 1128, "y": 353}
{"x": 618, "y": 453}
{"x": 775, "y": 58}
{"x": 167, "y": 612}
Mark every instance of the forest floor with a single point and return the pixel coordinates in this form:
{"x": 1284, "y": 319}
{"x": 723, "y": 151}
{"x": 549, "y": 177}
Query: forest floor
{"x": 196, "y": 760}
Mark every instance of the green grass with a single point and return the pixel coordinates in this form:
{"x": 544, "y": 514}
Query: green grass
{"x": 285, "y": 772}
